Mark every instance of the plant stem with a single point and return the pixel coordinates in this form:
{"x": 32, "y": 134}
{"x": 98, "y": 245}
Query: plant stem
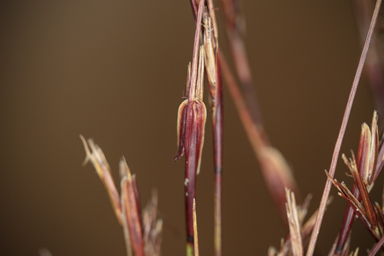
{"x": 195, "y": 54}
{"x": 194, "y": 136}
{"x": 235, "y": 28}
{"x": 218, "y": 155}
{"x": 345, "y": 229}
{"x": 217, "y": 125}
{"x": 256, "y": 135}
{"x": 336, "y": 152}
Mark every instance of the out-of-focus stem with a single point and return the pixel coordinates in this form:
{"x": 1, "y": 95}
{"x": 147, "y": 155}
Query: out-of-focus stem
{"x": 256, "y": 135}
{"x": 235, "y": 26}
{"x": 275, "y": 170}
{"x": 374, "y": 63}
{"x": 336, "y": 152}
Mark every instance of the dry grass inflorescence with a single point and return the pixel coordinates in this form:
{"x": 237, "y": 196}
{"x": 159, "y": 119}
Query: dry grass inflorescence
{"x": 142, "y": 228}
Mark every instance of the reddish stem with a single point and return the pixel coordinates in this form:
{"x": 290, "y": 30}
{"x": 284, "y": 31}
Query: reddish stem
{"x": 217, "y": 125}
{"x": 218, "y": 154}
{"x": 346, "y": 227}
{"x": 195, "y": 59}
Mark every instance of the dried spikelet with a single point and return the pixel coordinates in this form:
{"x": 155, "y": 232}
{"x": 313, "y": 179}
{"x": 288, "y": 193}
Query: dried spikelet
{"x": 364, "y": 169}
{"x": 355, "y": 253}
{"x": 152, "y": 227}
{"x": 210, "y": 56}
{"x": 272, "y": 251}
{"x": 368, "y": 212}
{"x": 304, "y": 229}
{"x": 294, "y": 224}
{"x": 97, "y": 158}
{"x": 368, "y": 152}
{"x": 131, "y": 211}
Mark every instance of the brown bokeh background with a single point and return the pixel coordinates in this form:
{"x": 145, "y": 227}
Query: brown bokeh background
{"x": 115, "y": 71}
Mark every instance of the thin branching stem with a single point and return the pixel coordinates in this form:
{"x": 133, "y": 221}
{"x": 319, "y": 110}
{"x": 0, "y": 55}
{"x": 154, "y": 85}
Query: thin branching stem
{"x": 336, "y": 152}
{"x": 196, "y": 46}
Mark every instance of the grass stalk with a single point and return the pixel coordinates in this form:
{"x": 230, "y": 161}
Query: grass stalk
{"x": 324, "y": 199}
{"x": 213, "y": 71}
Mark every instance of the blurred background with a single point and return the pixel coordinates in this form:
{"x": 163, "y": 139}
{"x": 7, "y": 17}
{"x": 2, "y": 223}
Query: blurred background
{"x": 115, "y": 71}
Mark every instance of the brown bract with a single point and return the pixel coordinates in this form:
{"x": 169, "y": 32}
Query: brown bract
{"x": 152, "y": 227}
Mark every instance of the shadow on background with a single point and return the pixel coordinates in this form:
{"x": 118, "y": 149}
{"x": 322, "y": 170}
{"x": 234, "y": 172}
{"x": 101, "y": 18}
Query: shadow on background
{"x": 115, "y": 71}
